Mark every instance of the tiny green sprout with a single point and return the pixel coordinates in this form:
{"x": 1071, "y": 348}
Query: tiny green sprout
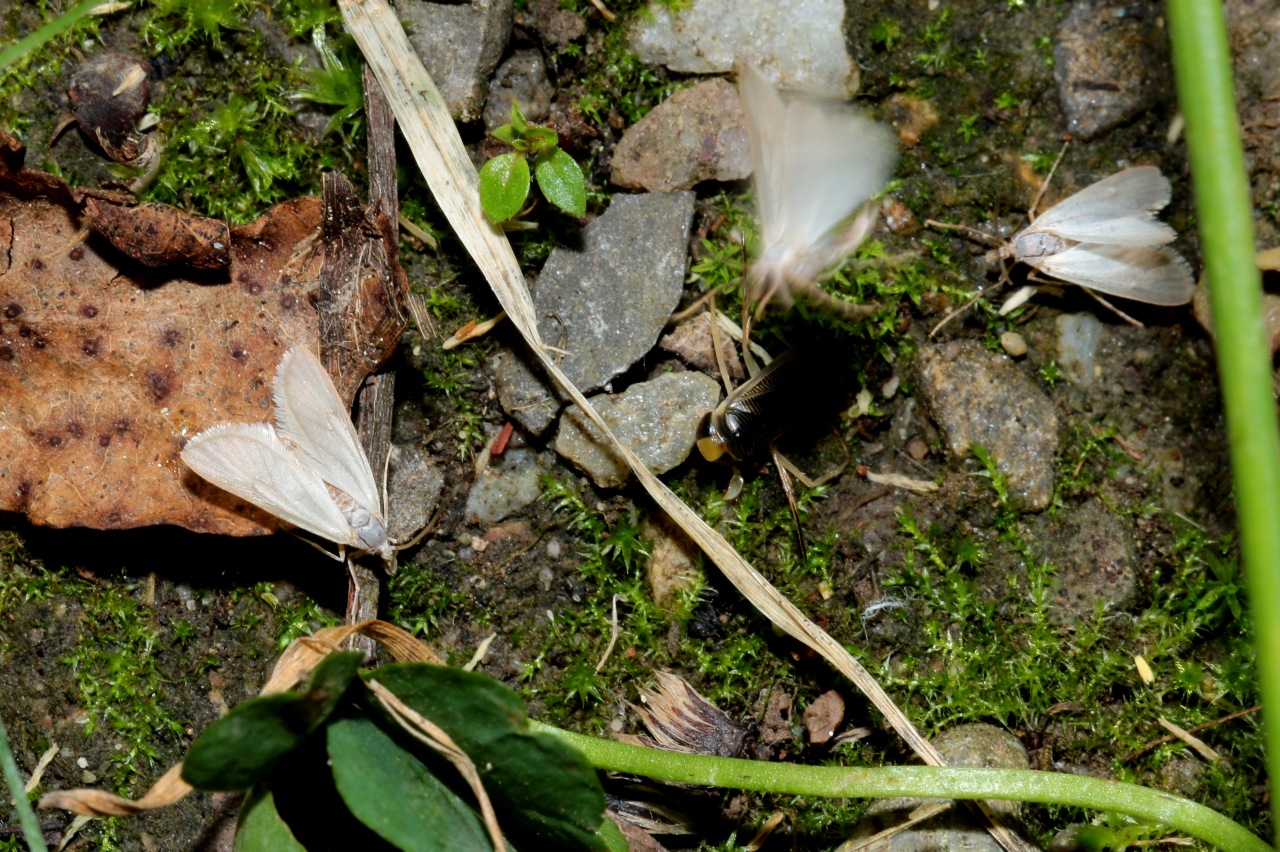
{"x": 1007, "y": 100}
{"x": 505, "y": 179}
{"x": 1051, "y": 373}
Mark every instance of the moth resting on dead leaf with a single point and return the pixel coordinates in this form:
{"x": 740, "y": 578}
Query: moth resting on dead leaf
{"x": 309, "y": 469}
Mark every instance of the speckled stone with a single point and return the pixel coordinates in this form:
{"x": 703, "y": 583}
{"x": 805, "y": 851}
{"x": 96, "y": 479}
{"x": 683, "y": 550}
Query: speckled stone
{"x": 799, "y": 45}
{"x": 1091, "y": 550}
{"x": 460, "y": 45}
{"x": 1111, "y": 63}
{"x": 413, "y": 489}
{"x": 697, "y": 134}
{"x": 980, "y": 397}
{"x": 507, "y": 484}
{"x": 656, "y": 419}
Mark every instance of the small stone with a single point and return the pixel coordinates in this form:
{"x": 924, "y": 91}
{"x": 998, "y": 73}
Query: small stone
{"x": 1111, "y": 64}
{"x": 911, "y": 117}
{"x": 672, "y": 567}
{"x": 505, "y": 486}
{"x": 977, "y": 397}
{"x": 521, "y": 78}
{"x": 413, "y": 490}
{"x": 917, "y": 449}
{"x": 697, "y": 134}
{"x": 556, "y": 24}
{"x": 656, "y": 419}
{"x": 1091, "y": 550}
{"x": 799, "y": 45}
{"x": 460, "y": 45}
{"x": 554, "y": 549}
{"x": 975, "y": 745}
{"x": 693, "y": 343}
{"x": 1014, "y": 344}
{"x": 1078, "y": 346}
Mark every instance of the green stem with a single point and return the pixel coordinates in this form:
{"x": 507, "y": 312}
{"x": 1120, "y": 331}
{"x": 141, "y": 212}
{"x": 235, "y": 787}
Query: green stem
{"x": 26, "y": 816}
{"x": 24, "y": 46}
{"x": 950, "y": 782}
{"x": 1202, "y": 63}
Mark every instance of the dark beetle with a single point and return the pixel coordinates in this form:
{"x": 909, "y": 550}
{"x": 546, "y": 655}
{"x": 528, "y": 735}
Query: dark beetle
{"x": 780, "y": 396}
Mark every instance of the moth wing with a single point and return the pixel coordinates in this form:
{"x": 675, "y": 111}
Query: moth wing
{"x": 1135, "y": 193}
{"x": 1156, "y": 276}
{"x": 1121, "y": 232}
{"x": 310, "y": 414}
{"x": 815, "y": 162}
{"x": 249, "y": 460}
{"x": 765, "y": 116}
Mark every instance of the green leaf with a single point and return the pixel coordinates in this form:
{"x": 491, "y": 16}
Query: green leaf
{"x": 561, "y": 182}
{"x": 545, "y": 792}
{"x": 518, "y": 121}
{"x": 505, "y": 133}
{"x": 260, "y": 828}
{"x": 541, "y": 139}
{"x": 391, "y": 792}
{"x": 243, "y": 747}
{"x": 614, "y": 839}
{"x": 504, "y": 185}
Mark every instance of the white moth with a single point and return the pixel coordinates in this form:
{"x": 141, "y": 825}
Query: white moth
{"x": 1106, "y": 239}
{"x": 815, "y": 164}
{"x": 309, "y": 470}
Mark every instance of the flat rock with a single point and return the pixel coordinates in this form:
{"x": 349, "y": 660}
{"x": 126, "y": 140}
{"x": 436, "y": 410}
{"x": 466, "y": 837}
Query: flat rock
{"x": 460, "y": 45}
{"x": 980, "y": 397}
{"x": 1111, "y": 63}
{"x": 798, "y": 45}
{"x": 657, "y": 419}
{"x": 521, "y": 78}
{"x": 604, "y": 304}
{"x": 697, "y": 134}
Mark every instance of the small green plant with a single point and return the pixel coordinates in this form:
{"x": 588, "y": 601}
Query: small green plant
{"x": 505, "y": 179}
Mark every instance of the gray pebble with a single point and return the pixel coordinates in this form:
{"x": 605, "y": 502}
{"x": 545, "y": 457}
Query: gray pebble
{"x": 799, "y": 45}
{"x": 975, "y": 745}
{"x": 521, "y": 78}
{"x": 413, "y": 489}
{"x": 979, "y": 397}
{"x": 1110, "y": 61}
{"x": 460, "y": 45}
{"x": 507, "y": 484}
{"x": 604, "y": 304}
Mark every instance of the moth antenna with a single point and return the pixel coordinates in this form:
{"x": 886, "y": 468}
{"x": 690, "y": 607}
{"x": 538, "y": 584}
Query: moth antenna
{"x": 958, "y": 311}
{"x": 974, "y": 233}
{"x": 1031, "y": 214}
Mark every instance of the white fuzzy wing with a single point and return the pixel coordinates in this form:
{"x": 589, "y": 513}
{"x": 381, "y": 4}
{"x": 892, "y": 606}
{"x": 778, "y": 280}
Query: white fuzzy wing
{"x": 249, "y": 460}
{"x": 815, "y": 163}
{"x": 1132, "y": 196}
{"x": 1157, "y": 276}
{"x": 311, "y": 415}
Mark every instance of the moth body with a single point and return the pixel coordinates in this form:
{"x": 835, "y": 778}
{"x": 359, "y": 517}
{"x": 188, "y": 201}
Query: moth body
{"x": 814, "y": 164}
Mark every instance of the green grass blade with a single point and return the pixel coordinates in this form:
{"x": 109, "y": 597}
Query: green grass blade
{"x": 13, "y": 778}
{"x": 1202, "y": 63}
{"x": 23, "y": 47}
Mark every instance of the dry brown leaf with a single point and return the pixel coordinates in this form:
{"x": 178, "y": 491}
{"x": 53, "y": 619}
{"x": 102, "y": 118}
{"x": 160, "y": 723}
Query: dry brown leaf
{"x": 107, "y": 367}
